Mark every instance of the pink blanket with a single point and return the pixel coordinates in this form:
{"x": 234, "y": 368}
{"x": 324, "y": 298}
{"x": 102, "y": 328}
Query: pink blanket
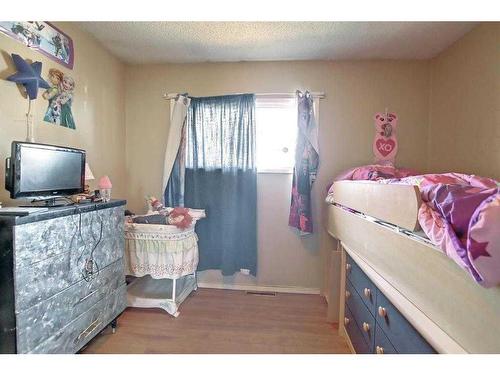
{"x": 460, "y": 214}
{"x": 374, "y": 173}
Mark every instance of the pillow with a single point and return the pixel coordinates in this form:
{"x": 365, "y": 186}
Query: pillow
{"x": 150, "y": 219}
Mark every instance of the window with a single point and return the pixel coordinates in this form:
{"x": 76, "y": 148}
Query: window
{"x": 276, "y": 123}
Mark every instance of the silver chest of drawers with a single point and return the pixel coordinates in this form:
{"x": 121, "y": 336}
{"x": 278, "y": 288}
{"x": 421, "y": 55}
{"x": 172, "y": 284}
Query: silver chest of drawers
{"x": 61, "y": 277}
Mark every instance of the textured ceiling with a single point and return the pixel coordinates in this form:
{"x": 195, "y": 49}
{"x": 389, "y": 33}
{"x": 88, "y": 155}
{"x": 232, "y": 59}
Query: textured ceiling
{"x": 157, "y": 42}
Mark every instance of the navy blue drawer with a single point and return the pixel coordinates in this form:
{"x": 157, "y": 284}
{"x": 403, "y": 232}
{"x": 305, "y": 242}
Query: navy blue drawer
{"x": 399, "y": 331}
{"x": 364, "y": 319}
{"x": 357, "y": 340}
{"x": 364, "y": 286}
{"x": 382, "y": 343}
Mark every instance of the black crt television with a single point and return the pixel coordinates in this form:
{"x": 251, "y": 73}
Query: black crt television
{"x": 41, "y": 171}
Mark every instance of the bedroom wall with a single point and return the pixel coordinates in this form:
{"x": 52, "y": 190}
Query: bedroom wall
{"x": 464, "y": 131}
{"x": 98, "y": 107}
{"x": 354, "y": 92}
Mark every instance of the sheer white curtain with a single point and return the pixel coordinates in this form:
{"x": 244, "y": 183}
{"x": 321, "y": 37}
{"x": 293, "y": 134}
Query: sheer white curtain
{"x": 178, "y": 111}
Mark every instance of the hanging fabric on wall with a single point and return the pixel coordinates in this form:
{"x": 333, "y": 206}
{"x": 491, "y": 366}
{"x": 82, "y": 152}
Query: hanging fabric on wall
{"x": 306, "y": 165}
{"x": 174, "y": 162}
{"x": 221, "y": 177}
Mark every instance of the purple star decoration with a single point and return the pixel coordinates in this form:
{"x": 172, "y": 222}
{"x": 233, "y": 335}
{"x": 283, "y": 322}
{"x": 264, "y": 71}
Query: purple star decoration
{"x": 29, "y": 76}
{"x": 478, "y": 249}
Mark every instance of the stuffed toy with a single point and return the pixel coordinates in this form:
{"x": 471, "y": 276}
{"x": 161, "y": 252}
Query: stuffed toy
{"x": 154, "y": 205}
{"x": 180, "y": 217}
{"x": 385, "y": 143}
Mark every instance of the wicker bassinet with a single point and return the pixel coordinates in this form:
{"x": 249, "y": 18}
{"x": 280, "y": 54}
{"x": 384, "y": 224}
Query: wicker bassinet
{"x": 163, "y": 258}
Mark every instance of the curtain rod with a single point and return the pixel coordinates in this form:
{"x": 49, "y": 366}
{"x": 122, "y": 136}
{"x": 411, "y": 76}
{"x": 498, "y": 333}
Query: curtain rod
{"x": 320, "y": 95}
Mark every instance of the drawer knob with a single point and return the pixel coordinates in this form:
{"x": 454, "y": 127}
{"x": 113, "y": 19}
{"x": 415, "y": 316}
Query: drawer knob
{"x": 348, "y": 266}
{"x": 382, "y": 311}
{"x": 367, "y": 292}
{"x": 347, "y": 294}
{"x": 346, "y": 321}
{"x": 366, "y": 327}
{"x": 379, "y": 350}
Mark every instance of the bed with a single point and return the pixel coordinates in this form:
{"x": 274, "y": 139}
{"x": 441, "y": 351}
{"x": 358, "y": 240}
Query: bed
{"x": 377, "y": 225}
{"x": 162, "y": 262}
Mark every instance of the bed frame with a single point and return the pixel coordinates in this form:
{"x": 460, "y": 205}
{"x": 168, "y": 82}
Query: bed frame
{"x": 451, "y": 311}
{"x": 397, "y": 204}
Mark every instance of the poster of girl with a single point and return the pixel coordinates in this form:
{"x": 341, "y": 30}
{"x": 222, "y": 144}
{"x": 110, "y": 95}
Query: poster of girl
{"x": 60, "y": 98}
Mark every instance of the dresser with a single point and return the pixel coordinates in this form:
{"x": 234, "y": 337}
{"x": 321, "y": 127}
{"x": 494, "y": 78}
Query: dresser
{"x": 372, "y": 323}
{"x": 61, "y": 277}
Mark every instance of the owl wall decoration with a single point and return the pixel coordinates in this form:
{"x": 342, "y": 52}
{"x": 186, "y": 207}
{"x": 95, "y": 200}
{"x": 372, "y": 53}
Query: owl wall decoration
{"x": 385, "y": 143}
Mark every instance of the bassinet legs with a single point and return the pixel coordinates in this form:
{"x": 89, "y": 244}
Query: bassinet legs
{"x": 166, "y": 294}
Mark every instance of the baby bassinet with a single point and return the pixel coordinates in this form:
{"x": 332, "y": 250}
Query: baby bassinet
{"x": 163, "y": 259}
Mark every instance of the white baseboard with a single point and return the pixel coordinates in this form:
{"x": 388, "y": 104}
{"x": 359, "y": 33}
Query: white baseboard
{"x": 259, "y": 288}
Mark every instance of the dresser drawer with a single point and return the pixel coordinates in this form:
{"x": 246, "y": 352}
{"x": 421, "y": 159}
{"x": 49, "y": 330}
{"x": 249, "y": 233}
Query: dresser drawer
{"x": 48, "y": 277}
{"x": 382, "y": 343}
{"x": 398, "y": 330}
{"x": 40, "y": 240}
{"x": 35, "y": 242}
{"x": 36, "y": 325}
{"x": 364, "y": 319}
{"x": 355, "y": 335}
{"x": 364, "y": 286}
{"x": 76, "y": 334}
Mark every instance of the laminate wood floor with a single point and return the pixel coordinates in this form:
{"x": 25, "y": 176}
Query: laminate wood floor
{"x": 226, "y": 321}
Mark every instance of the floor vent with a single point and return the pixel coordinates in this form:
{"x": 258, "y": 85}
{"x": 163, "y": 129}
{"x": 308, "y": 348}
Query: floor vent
{"x": 257, "y": 293}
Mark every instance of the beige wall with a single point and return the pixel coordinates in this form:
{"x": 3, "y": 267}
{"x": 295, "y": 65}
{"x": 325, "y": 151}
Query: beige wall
{"x": 354, "y": 92}
{"x": 98, "y": 107}
{"x": 464, "y": 132}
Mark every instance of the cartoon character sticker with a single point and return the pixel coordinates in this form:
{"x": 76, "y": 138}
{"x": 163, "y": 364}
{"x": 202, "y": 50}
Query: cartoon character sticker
{"x": 60, "y": 98}
{"x": 42, "y": 37}
{"x": 385, "y": 143}
{"x": 61, "y": 46}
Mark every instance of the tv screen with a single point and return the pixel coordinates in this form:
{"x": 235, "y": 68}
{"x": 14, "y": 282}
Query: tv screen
{"x": 38, "y": 170}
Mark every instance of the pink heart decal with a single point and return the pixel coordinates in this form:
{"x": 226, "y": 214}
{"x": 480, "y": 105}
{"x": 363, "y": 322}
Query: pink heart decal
{"x": 385, "y": 147}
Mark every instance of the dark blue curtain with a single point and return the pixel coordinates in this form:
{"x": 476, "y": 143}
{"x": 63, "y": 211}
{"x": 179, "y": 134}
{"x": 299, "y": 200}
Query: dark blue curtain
{"x": 220, "y": 177}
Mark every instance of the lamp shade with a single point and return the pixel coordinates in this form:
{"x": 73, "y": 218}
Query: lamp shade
{"x": 105, "y": 183}
{"x": 88, "y": 173}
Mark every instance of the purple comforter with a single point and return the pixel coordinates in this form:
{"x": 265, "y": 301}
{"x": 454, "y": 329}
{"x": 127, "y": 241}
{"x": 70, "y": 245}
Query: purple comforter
{"x": 461, "y": 215}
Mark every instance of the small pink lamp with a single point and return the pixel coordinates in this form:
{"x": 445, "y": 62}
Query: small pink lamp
{"x": 105, "y": 188}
